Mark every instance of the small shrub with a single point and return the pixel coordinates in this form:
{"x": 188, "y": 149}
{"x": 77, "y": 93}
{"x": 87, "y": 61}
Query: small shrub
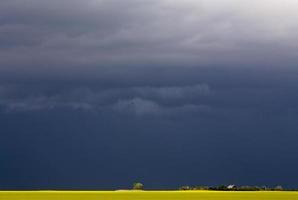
{"x": 138, "y": 186}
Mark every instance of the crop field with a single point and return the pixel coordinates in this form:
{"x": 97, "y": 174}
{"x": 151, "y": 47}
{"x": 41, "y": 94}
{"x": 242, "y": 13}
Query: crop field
{"x": 146, "y": 195}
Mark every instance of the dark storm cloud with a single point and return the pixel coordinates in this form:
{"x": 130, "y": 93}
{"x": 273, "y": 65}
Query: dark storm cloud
{"x": 166, "y": 134}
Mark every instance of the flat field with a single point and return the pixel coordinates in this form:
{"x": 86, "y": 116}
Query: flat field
{"x": 146, "y": 195}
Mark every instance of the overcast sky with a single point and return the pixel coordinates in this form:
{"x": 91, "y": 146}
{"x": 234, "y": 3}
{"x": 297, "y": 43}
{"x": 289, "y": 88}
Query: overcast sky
{"x": 103, "y": 93}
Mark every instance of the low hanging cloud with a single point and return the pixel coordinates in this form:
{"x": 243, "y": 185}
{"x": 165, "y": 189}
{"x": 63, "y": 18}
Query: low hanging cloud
{"x": 174, "y": 92}
{"x": 141, "y": 107}
{"x": 132, "y": 100}
{"x": 138, "y": 106}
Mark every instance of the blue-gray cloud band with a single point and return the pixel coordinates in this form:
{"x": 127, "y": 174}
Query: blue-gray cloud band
{"x": 134, "y": 100}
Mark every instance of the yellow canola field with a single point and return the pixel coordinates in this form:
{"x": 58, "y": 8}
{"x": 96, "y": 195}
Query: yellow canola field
{"x": 146, "y": 195}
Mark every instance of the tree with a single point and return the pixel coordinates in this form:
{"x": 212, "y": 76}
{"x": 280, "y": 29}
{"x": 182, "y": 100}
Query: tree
{"x": 222, "y": 187}
{"x": 138, "y": 186}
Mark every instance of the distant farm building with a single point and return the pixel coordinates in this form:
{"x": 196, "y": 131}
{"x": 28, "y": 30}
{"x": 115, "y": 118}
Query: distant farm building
{"x": 231, "y": 187}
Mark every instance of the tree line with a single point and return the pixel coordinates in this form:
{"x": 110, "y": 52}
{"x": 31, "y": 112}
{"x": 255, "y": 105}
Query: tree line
{"x": 235, "y": 188}
{"x": 140, "y": 186}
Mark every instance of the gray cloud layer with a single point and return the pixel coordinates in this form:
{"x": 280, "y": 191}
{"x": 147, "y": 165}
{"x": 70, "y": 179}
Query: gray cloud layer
{"x": 83, "y": 36}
